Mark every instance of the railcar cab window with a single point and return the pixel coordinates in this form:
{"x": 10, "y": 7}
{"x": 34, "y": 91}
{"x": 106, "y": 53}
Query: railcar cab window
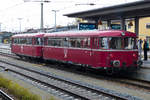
{"x": 85, "y": 42}
{"x": 103, "y": 43}
{"x": 115, "y": 43}
{"x": 130, "y": 43}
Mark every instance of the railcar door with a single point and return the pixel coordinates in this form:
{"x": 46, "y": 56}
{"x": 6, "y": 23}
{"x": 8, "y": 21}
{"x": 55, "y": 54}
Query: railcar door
{"x": 99, "y": 51}
{"x": 79, "y": 50}
{"x": 94, "y": 52}
{"x": 37, "y": 49}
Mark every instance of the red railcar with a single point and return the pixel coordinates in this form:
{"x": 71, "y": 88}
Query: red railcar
{"x": 109, "y": 49}
{"x": 27, "y": 45}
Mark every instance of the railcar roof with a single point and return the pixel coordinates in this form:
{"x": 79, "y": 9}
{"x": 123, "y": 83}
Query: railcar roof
{"x": 29, "y": 35}
{"x": 105, "y": 33}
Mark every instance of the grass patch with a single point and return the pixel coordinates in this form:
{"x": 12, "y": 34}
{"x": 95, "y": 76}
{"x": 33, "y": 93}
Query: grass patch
{"x": 52, "y": 98}
{"x": 20, "y": 92}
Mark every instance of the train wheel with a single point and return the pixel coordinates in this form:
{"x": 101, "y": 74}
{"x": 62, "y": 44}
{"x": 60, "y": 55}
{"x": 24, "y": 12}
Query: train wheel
{"x": 20, "y": 56}
{"x": 110, "y": 71}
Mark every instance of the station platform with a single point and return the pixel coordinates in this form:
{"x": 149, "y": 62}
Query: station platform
{"x": 146, "y": 63}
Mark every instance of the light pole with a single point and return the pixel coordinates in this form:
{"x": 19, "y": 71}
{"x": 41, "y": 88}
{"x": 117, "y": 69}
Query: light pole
{"x": 42, "y": 23}
{"x": 91, "y": 4}
{"x": 20, "y": 23}
{"x": 0, "y": 26}
{"x": 42, "y": 19}
{"x": 55, "y": 17}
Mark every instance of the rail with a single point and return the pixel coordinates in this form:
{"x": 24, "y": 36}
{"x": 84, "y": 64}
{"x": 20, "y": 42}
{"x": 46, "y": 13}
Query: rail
{"x": 73, "y": 88}
{"x": 4, "y": 96}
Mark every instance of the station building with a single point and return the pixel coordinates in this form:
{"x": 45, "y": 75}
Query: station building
{"x": 144, "y": 27}
{"x": 134, "y": 17}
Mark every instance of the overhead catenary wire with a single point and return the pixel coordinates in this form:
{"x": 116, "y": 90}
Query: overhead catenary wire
{"x": 13, "y": 6}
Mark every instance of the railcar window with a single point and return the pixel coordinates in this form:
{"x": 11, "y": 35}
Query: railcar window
{"x": 95, "y": 44}
{"x": 29, "y": 41}
{"x": 103, "y": 43}
{"x": 86, "y": 42}
{"x": 18, "y": 40}
{"x": 58, "y": 42}
{"x": 55, "y": 41}
{"x": 50, "y": 42}
{"x": 69, "y": 42}
{"x": 72, "y": 42}
{"x": 22, "y": 40}
{"x": 79, "y": 42}
{"x": 129, "y": 43}
{"x": 115, "y": 43}
{"x": 65, "y": 42}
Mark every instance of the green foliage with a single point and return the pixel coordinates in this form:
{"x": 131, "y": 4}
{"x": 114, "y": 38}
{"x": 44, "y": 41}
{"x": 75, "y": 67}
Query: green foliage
{"x": 17, "y": 90}
{"x": 4, "y": 82}
{"x": 52, "y": 98}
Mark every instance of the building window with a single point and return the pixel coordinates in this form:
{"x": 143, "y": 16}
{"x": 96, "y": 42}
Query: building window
{"x": 148, "y": 25}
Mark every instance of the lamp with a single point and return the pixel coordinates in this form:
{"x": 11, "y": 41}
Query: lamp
{"x": 99, "y": 22}
{"x": 130, "y": 23}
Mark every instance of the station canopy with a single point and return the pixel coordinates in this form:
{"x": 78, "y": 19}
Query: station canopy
{"x": 127, "y": 10}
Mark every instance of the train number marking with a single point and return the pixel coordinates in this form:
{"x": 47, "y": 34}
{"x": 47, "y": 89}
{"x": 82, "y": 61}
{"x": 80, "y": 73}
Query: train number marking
{"x": 65, "y": 53}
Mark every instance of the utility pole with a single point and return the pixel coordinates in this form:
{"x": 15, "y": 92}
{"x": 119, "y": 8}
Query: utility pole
{"x": 42, "y": 23}
{"x": 20, "y": 24}
{"x": 55, "y": 17}
{"x": 0, "y": 27}
{"x": 42, "y": 19}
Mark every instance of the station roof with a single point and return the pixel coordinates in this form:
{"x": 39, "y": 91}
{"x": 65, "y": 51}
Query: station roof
{"x": 128, "y": 10}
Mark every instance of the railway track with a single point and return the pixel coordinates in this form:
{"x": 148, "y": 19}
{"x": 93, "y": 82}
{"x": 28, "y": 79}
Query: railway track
{"x": 4, "y": 96}
{"x": 62, "y": 87}
{"x": 123, "y": 80}
{"x": 140, "y": 84}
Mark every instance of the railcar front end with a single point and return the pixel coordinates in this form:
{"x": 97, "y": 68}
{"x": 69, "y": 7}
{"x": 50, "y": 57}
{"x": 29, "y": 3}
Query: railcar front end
{"x": 110, "y": 49}
{"x": 27, "y": 45}
{"x": 116, "y": 53}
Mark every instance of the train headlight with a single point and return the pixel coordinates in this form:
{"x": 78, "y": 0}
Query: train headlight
{"x": 116, "y": 63}
{"x": 134, "y": 55}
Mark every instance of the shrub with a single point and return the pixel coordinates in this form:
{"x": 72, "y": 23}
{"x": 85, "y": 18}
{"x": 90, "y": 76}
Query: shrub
{"x": 17, "y": 90}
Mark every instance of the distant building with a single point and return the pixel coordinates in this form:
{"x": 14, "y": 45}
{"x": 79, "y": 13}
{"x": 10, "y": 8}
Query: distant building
{"x": 144, "y": 28}
{"x": 5, "y": 37}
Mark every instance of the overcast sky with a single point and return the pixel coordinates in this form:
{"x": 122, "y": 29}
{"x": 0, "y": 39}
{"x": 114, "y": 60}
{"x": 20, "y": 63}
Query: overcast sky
{"x": 29, "y": 12}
